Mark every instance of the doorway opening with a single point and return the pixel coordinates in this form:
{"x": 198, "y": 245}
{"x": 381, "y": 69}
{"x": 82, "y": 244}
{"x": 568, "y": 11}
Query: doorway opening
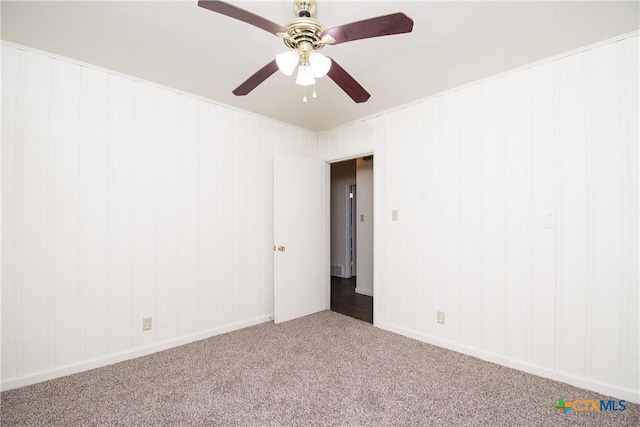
{"x": 352, "y": 238}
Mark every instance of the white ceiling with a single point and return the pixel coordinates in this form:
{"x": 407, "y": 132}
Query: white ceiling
{"x": 180, "y": 45}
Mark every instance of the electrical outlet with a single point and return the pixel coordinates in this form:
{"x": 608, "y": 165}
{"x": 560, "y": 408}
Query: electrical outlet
{"x": 146, "y": 324}
{"x": 441, "y": 317}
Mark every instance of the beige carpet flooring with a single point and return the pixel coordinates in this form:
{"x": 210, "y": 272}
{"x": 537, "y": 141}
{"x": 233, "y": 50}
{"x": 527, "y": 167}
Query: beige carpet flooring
{"x": 325, "y": 369}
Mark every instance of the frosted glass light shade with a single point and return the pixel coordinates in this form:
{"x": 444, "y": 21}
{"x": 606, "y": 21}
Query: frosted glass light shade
{"x": 305, "y": 76}
{"x": 320, "y": 64}
{"x": 287, "y": 61}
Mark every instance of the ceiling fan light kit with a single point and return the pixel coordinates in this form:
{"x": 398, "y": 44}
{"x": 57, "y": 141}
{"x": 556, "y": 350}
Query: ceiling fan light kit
{"x": 287, "y": 62}
{"x": 305, "y": 76}
{"x": 320, "y": 64}
{"x": 305, "y": 36}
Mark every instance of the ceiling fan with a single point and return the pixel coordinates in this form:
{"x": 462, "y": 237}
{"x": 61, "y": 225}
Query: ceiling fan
{"x": 305, "y": 36}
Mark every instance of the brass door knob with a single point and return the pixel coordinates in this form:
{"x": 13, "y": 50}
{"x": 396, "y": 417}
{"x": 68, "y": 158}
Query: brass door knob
{"x": 281, "y": 248}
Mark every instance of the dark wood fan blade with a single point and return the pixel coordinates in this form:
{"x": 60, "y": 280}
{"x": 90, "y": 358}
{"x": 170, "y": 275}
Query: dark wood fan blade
{"x": 242, "y": 15}
{"x": 387, "y": 25}
{"x": 252, "y": 82}
{"x": 347, "y": 83}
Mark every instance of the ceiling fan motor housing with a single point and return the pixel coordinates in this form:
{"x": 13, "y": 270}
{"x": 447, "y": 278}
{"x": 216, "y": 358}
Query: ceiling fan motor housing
{"x": 305, "y": 33}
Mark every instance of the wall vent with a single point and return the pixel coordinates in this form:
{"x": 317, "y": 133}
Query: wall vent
{"x": 336, "y": 270}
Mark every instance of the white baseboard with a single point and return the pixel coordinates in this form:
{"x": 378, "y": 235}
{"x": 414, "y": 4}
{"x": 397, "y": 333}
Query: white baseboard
{"x": 63, "y": 371}
{"x": 606, "y": 389}
{"x": 362, "y": 291}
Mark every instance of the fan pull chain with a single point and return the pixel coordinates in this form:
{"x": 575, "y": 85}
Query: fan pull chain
{"x": 314, "y": 91}
{"x": 305, "y": 95}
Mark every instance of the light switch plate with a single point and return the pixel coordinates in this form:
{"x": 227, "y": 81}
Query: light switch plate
{"x": 550, "y": 220}
{"x": 394, "y": 215}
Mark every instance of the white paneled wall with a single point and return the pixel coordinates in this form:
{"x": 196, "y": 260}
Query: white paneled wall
{"x": 472, "y": 173}
{"x": 122, "y": 200}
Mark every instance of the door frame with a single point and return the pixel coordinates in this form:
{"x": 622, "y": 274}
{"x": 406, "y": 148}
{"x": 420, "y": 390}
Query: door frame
{"x": 327, "y": 195}
{"x": 328, "y": 228}
{"x": 350, "y": 241}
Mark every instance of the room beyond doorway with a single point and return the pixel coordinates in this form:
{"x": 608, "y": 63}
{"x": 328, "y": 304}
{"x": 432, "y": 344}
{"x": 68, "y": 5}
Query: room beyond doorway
{"x": 351, "y": 210}
{"x": 345, "y": 300}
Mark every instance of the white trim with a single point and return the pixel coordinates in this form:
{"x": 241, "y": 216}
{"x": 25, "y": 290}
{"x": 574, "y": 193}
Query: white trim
{"x": 366, "y": 292}
{"x": 127, "y": 355}
{"x": 608, "y": 390}
{"x": 327, "y": 227}
{"x": 347, "y": 158}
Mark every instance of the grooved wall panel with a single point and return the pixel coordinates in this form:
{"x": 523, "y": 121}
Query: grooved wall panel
{"x": 470, "y": 193}
{"x": 517, "y": 207}
{"x": 396, "y": 289}
{"x": 492, "y": 218}
{"x": 122, "y": 213}
{"x": 169, "y": 215}
{"x": 93, "y": 209}
{"x": 33, "y": 238}
{"x": 449, "y": 204}
{"x": 630, "y": 315}
{"x": 381, "y": 205}
{"x": 559, "y": 137}
{"x": 64, "y": 216}
{"x": 429, "y": 195}
{"x": 240, "y": 211}
{"x": 11, "y": 73}
{"x": 207, "y": 248}
{"x": 188, "y": 262}
{"x": 123, "y": 200}
{"x": 412, "y": 209}
{"x": 544, "y": 155}
{"x": 606, "y": 204}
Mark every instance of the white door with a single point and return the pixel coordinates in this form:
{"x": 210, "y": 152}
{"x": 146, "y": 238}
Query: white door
{"x": 301, "y": 258}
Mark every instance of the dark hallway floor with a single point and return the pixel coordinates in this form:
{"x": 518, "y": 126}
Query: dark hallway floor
{"x": 344, "y": 300}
